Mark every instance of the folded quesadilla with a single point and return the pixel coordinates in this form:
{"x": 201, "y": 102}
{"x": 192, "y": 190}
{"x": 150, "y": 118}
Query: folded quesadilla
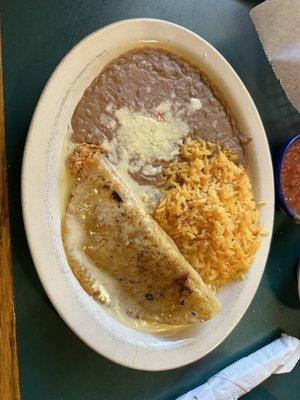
{"x": 106, "y": 229}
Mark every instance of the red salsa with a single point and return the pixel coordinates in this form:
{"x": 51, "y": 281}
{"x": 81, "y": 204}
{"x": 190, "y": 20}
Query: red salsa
{"x": 290, "y": 177}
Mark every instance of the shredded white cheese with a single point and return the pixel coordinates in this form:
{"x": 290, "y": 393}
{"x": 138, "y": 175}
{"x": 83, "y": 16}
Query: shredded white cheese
{"x": 109, "y": 122}
{"x": 195, "y": 104}
{"x": 148, "y": 138}
{"x": 141, "y": 141}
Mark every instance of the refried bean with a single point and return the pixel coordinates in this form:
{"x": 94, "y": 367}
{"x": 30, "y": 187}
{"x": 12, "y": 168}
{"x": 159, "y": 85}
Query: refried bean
{"x": 141, "y": 80}
{"x": 290, "y": 177}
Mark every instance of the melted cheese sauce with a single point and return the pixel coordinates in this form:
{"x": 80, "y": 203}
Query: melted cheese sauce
{"x": 142, "y": 143}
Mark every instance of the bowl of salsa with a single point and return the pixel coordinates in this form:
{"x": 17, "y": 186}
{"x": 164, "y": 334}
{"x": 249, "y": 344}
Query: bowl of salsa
{"x": 288, "y": 177}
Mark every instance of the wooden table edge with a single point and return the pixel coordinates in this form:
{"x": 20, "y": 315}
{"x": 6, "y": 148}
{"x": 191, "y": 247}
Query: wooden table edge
{"x": 9, "y": 371}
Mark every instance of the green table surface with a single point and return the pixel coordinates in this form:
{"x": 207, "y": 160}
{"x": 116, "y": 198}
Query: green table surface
{"x": 54, "y": 363}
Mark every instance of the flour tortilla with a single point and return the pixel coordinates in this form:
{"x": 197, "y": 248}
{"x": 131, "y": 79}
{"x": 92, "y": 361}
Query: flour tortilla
{"x": 106, "y": 225}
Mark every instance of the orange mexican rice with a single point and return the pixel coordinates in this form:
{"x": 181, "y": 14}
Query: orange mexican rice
{"x": 209, "y": 211}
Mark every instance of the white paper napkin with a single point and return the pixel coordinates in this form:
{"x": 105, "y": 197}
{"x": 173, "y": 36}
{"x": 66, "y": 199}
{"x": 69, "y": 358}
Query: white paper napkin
{"x": 278, "y": 25}
{"x": 239, "y": 378}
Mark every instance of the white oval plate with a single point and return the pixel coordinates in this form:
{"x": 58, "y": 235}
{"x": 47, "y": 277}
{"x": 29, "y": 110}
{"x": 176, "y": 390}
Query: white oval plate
{"x": 40, "y": 197}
